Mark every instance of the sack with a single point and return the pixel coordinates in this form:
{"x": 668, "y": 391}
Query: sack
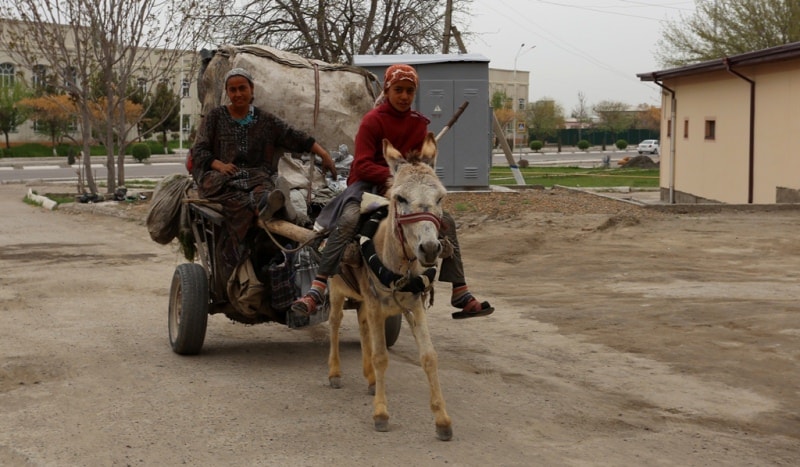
{"x": 245, "y": 291}
{"x": 282, "y": 288}
{"x": 164, "y": 216}
{"x": 325, "y": 100}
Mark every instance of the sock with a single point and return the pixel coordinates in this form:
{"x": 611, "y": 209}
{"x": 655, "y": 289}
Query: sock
{"x": 318, "y": 287}
{"x": 461, "y": 295}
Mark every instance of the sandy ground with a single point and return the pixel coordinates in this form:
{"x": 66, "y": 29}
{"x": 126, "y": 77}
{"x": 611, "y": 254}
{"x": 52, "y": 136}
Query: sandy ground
{"x": 622, "y": 337}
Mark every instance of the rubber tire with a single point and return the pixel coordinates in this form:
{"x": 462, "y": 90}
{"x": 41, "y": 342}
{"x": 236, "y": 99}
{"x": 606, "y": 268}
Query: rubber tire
{"x": 188, "y": 309}
{"x": 392, "y": 329}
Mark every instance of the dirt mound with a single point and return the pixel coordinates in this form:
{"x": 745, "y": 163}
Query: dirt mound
{"x": 641, "y": 162}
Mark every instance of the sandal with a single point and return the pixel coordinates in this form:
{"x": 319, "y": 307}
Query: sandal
{"x": 305, "y": 305}
{"x": 474, "y": 309}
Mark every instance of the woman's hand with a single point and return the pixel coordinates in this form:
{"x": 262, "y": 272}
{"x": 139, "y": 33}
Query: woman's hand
{"x": 327, "y": 160}
{"x": 224, "y": 168}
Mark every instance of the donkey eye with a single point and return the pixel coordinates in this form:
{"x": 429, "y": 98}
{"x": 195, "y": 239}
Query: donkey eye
{"x": 400, "y": 199}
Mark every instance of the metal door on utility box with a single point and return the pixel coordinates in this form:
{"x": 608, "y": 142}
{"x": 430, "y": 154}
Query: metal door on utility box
{"x": 465, "y": 151}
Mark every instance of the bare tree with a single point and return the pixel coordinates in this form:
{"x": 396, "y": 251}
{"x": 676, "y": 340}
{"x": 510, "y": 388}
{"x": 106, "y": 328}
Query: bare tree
{"x": 335, "y": 30}
{"x": 581, "y": 112}
{"x": 121, "y": 44}
{"x": 719, "y": 28}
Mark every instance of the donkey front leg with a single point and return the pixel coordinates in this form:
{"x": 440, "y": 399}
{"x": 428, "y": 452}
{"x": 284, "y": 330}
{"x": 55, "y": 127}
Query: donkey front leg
{"x": 430, "y": 364}
{"x": 366, "y": 348}
{"x": 380, "y": 361}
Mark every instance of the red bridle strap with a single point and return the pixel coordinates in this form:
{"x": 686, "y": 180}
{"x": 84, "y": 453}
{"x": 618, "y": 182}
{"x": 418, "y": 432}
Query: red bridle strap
{"x": 412, "y": 218}
{"x": 419, "y": 217}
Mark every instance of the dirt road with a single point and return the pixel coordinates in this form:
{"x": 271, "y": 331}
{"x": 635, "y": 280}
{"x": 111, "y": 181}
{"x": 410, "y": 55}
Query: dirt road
{"x": 621, "y": 338}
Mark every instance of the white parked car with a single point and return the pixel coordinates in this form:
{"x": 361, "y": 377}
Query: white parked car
{"x": 648, "y": 145}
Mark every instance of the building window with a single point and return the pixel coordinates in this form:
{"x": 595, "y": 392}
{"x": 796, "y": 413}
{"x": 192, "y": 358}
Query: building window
{"x": 39, "y": 78}
{"x": 184, "y": 87}
{"x": 186, "y": 123}
{"x": 711, "y": 129}
{"x": 669, "y": 128}
{"x": 686, "y": 128}
{"x": 141, "y": 83}
{"x": 521, "y": 104}
{"x": 70, "y": 79}
{"x": 6, "y": 74}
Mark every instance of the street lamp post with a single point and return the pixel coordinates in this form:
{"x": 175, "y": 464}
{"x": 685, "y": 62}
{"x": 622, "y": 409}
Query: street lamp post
{"x": 515, "y": 100}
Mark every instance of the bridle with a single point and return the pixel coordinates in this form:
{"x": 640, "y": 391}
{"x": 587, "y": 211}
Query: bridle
{"x": 402, "y": 219}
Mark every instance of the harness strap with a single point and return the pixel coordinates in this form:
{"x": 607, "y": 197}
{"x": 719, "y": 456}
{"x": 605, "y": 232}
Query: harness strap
{"x": 388, "y": 278}
{"x": 371, "y": 225}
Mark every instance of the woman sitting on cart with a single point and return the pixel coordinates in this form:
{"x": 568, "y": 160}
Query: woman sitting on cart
{"x": 235, "y": 156}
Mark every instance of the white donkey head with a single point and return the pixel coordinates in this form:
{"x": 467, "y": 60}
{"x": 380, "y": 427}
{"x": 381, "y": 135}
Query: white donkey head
{"x": 416, "y": 198}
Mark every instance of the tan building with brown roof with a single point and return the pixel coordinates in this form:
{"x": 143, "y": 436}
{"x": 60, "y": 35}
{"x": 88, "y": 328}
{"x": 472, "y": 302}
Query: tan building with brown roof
{"x": 731, "y": 128}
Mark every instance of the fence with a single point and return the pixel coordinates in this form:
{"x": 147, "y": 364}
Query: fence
{"x": 596, "y": 137}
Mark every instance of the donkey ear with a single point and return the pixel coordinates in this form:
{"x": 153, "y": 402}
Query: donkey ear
{"x": 392, "y": 155}
{"x": 429, "y": 150}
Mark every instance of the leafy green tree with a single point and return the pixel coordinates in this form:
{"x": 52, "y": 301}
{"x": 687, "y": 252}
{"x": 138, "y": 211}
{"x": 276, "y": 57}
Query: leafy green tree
{"x": 613, "y": 117}
{"x": 11, "y": 114}
{"x": 500, "y": 100}
{"x": 721, "y": 28}
{"x": 163, "y": 112}
{"x": 545, "y": 117}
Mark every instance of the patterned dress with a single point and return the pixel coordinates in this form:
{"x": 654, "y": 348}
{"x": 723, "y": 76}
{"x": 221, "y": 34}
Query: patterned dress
{"x": 254, "y": 144}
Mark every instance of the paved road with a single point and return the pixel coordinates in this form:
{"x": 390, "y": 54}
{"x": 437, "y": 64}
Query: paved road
{"x": 57, "y": 169}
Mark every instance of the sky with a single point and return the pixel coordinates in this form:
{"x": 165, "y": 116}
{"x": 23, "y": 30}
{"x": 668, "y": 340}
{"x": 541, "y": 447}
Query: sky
{"x": 596, "y": 47}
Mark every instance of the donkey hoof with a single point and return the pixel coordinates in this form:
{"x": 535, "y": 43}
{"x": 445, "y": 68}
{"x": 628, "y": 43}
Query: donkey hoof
{"x": 382, "y": 424}
{"x": 444, "y": 433}
{"x": 335, "y": 382}
{"x": 371, "y": 390}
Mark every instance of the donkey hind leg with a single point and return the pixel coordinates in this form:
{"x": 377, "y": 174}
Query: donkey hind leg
{"x": 335, "y": 322}
{"x": 380, "y": 361}
{"x": 429, "y": 362}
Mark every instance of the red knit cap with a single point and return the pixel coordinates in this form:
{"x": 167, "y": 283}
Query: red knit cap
{"x": 400, "y": 72}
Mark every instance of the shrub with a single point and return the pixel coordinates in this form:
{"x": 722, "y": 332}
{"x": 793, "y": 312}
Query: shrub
{"x": 536, "y": 145}
{"x": 621, "y": 144}
{"x": 140, "y": 151}
{"x": 583, "y": 145}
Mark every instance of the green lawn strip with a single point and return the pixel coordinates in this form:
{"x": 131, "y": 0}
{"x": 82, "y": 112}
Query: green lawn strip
{"x": 577, "y": 177}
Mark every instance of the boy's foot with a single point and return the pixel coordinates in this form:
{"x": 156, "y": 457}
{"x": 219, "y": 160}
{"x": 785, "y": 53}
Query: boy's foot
{"x": 474, "y": 309}
{"x": 305, "y": 305}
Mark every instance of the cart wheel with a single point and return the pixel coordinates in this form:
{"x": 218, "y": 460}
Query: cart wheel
{"x": 392, "y": 329}
{"x": 188, "y": 309}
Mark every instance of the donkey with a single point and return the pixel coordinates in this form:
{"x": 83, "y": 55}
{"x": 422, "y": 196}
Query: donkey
{"x": 395, "y": 275}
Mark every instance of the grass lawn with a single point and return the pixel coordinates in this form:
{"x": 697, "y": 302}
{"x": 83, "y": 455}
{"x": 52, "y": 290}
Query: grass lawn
{"x": 577, "y": 177}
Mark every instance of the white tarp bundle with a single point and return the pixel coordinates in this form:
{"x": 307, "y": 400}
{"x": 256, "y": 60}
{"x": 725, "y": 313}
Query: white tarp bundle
{"x": 325, "y": 100}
